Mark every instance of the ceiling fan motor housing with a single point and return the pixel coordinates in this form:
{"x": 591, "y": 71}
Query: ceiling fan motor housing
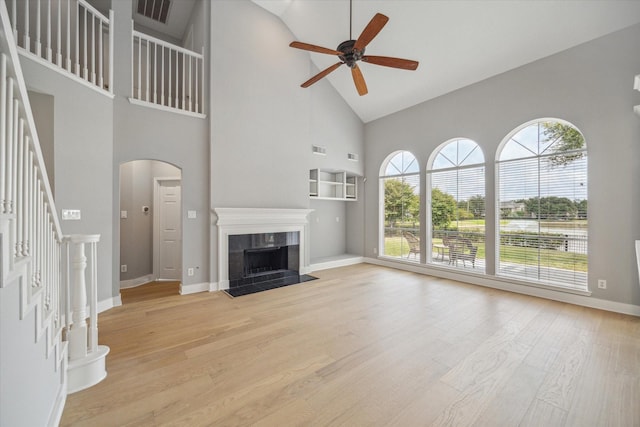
{"x": 349, "y": 55}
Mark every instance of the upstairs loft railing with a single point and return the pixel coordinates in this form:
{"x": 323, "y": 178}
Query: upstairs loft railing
{"x": 70, "y": 35}
{"x": 167, "y": 75}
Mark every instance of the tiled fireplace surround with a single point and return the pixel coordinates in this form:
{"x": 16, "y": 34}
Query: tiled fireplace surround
{"x": 264, "y": 222}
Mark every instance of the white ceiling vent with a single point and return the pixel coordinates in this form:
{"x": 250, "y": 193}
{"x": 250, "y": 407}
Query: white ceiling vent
{"x": 316, "y": 149}
{"x": 158, "y": 10}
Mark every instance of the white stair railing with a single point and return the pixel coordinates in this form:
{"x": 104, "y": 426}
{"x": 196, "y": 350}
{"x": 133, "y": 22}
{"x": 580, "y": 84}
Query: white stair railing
{"x": 33, "y": 251}
{"x": 31, "y": 236}
{"x": 70, "y": 35}
{"x": 166, "y": 75}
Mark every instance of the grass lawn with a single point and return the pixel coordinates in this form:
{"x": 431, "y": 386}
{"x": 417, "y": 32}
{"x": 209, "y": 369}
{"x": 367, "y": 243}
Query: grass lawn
{"x": 399, "y": 247}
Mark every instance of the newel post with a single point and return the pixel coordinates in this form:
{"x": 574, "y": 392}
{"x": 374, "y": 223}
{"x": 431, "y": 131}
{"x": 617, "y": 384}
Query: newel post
{"x": 86, "y": 358}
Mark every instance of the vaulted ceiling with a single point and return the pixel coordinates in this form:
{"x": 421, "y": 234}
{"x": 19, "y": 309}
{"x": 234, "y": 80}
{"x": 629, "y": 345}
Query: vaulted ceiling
{"x": 458, "y": 43}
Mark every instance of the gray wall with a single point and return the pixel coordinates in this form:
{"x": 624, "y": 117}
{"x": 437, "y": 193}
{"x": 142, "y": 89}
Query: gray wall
{"x": 42, "y": 107}
{"x": 29, "y": 384}
{"x": 83, "y": 160}
{"x": 589, "y": 86}
{"x": 263, "y": 124}
{"x": 183, "y": 141}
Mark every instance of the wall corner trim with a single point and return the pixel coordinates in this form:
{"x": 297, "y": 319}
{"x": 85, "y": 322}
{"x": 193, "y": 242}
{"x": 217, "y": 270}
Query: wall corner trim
{"x": 195, "y": 288}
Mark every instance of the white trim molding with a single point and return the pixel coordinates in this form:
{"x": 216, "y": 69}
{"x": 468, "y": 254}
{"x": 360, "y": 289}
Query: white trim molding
{"x": 238, "y": 221}
{"x": 195, "y": 288}
{"x": 109, "y": 303}
{"x": 334, "y": 262}
{"x": 132, "y": 283}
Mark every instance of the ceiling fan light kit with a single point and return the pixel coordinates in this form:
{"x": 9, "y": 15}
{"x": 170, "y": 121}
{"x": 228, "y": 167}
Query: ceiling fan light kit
{"x": 351, "y": 51}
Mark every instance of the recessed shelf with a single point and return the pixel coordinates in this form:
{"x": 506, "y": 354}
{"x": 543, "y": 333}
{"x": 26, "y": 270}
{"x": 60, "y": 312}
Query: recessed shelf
{"x": 329, "y": 184}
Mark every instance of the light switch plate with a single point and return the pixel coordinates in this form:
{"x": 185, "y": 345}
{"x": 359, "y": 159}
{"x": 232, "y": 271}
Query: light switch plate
{"x": 191, "y": 214}
{"x": 71, "y": 214}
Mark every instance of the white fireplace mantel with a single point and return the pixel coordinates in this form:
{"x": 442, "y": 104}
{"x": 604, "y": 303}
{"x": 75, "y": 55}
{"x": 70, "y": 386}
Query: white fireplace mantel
{"x": 237, "y": 221}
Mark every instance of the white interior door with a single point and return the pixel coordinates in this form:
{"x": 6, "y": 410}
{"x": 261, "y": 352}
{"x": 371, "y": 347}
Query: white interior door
{"x": 169, "y": 230}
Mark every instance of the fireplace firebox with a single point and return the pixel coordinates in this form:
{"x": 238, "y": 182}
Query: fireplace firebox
{"x": 264, "y": 260}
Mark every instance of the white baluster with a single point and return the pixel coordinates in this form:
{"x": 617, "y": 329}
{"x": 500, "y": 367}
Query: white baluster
{"x": 190, "y": 86}
{"x": 169, "y": 86}
{"x": 155, "y": 73}
{"x": 93, "y": 48}
{"x": 19, "y": 186}
{"x": 68, "y": 36}
{"x": 85, "y": 71}
{"x": 100, "y": 54}
{"x": 139, "y": 68}
{"x": 176, "y": 93}
{"x": 49, "y": 50}
{"x": 38, "y": 29}
{"x": 77, "y": 58}
{"x": 27, "y": 40}
{"x": 3, "y": 126}
{"x": 59, "y": 34}
{"x": 162, "y": 78}
{"x": 147, "y": 73}
{"x": 111, "y": 49}
{"x": 14, "y": 19}
{"x": 184, "y": 79}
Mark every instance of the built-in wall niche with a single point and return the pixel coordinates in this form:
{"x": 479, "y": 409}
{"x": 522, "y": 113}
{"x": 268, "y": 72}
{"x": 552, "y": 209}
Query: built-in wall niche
{"x": 332, "y": 184}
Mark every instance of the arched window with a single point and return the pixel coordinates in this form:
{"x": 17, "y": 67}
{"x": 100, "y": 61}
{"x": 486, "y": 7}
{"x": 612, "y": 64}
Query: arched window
{"x": 400, "y": 206}
{"x": 542, "y": 204}
{"x": 456, "y": 214}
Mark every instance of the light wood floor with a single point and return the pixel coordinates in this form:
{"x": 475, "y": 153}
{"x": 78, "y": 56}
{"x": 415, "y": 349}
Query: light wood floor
{"x": 364, "y": 346}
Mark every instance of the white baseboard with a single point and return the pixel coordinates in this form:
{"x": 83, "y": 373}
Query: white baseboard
{"x": 108, "y": 303}
{"x": 194, "y": 288}
{"x": 505, "y": 285}
{"x": 132, "y": 283}
{"x": 58, "y": 406}
{"x": 334, "y": 262}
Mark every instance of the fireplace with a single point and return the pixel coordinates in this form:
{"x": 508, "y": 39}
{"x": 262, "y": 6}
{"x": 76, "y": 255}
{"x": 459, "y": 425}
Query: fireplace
{"x": 263, "y": 257}
{"x": 245, "y": 232}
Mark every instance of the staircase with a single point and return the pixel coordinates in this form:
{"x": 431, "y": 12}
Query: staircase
{"x": 47, "y": 348}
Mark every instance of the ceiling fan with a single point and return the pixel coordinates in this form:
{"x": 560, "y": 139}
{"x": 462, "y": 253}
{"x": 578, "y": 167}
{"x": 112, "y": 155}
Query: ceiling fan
{"x": 351, "y": 51}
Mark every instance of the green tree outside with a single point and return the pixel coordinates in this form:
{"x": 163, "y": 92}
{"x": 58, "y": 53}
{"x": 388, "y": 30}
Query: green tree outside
{"x": 443, "y": 209}
{"x": 401, "y": 204}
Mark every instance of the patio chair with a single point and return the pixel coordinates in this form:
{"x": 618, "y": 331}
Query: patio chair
{"x": 462, "y": 250}
{"x": 414, "y": 243}
{"x": 468, "y": 256}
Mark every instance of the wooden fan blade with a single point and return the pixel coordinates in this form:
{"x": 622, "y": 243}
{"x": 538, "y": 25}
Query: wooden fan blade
{"x": 314, "y": 48}
{"x": 358, "y": 79}
{"x": 405, "y": 64}
{"x": 320, "y": 75}
{"x": 370, "y": 31}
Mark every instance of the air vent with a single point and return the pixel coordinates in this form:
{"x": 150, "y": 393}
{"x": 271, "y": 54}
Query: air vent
{"x": 158, "y": 10}
{"x": 316, "y": 149}
{"x": 352, "y": 156}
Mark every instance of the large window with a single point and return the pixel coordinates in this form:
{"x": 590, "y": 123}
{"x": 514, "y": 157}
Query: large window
{"x": 542, "y": 204}
{"x": 456, "y": 214}
{"x": 400, "y": 206}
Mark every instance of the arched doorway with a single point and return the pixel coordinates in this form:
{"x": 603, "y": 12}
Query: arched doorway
{"x": 150, "y": 229}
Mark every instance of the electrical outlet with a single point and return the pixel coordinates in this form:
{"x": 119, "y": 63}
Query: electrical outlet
{"x": 190, "y": 271}
{"x": 602, "y": 284}
{"x": 375, "y": 250}
{"x": 123, "y": 268}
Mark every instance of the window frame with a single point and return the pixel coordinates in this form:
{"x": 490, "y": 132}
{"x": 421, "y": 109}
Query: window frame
{"x": 573, "y": 287}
